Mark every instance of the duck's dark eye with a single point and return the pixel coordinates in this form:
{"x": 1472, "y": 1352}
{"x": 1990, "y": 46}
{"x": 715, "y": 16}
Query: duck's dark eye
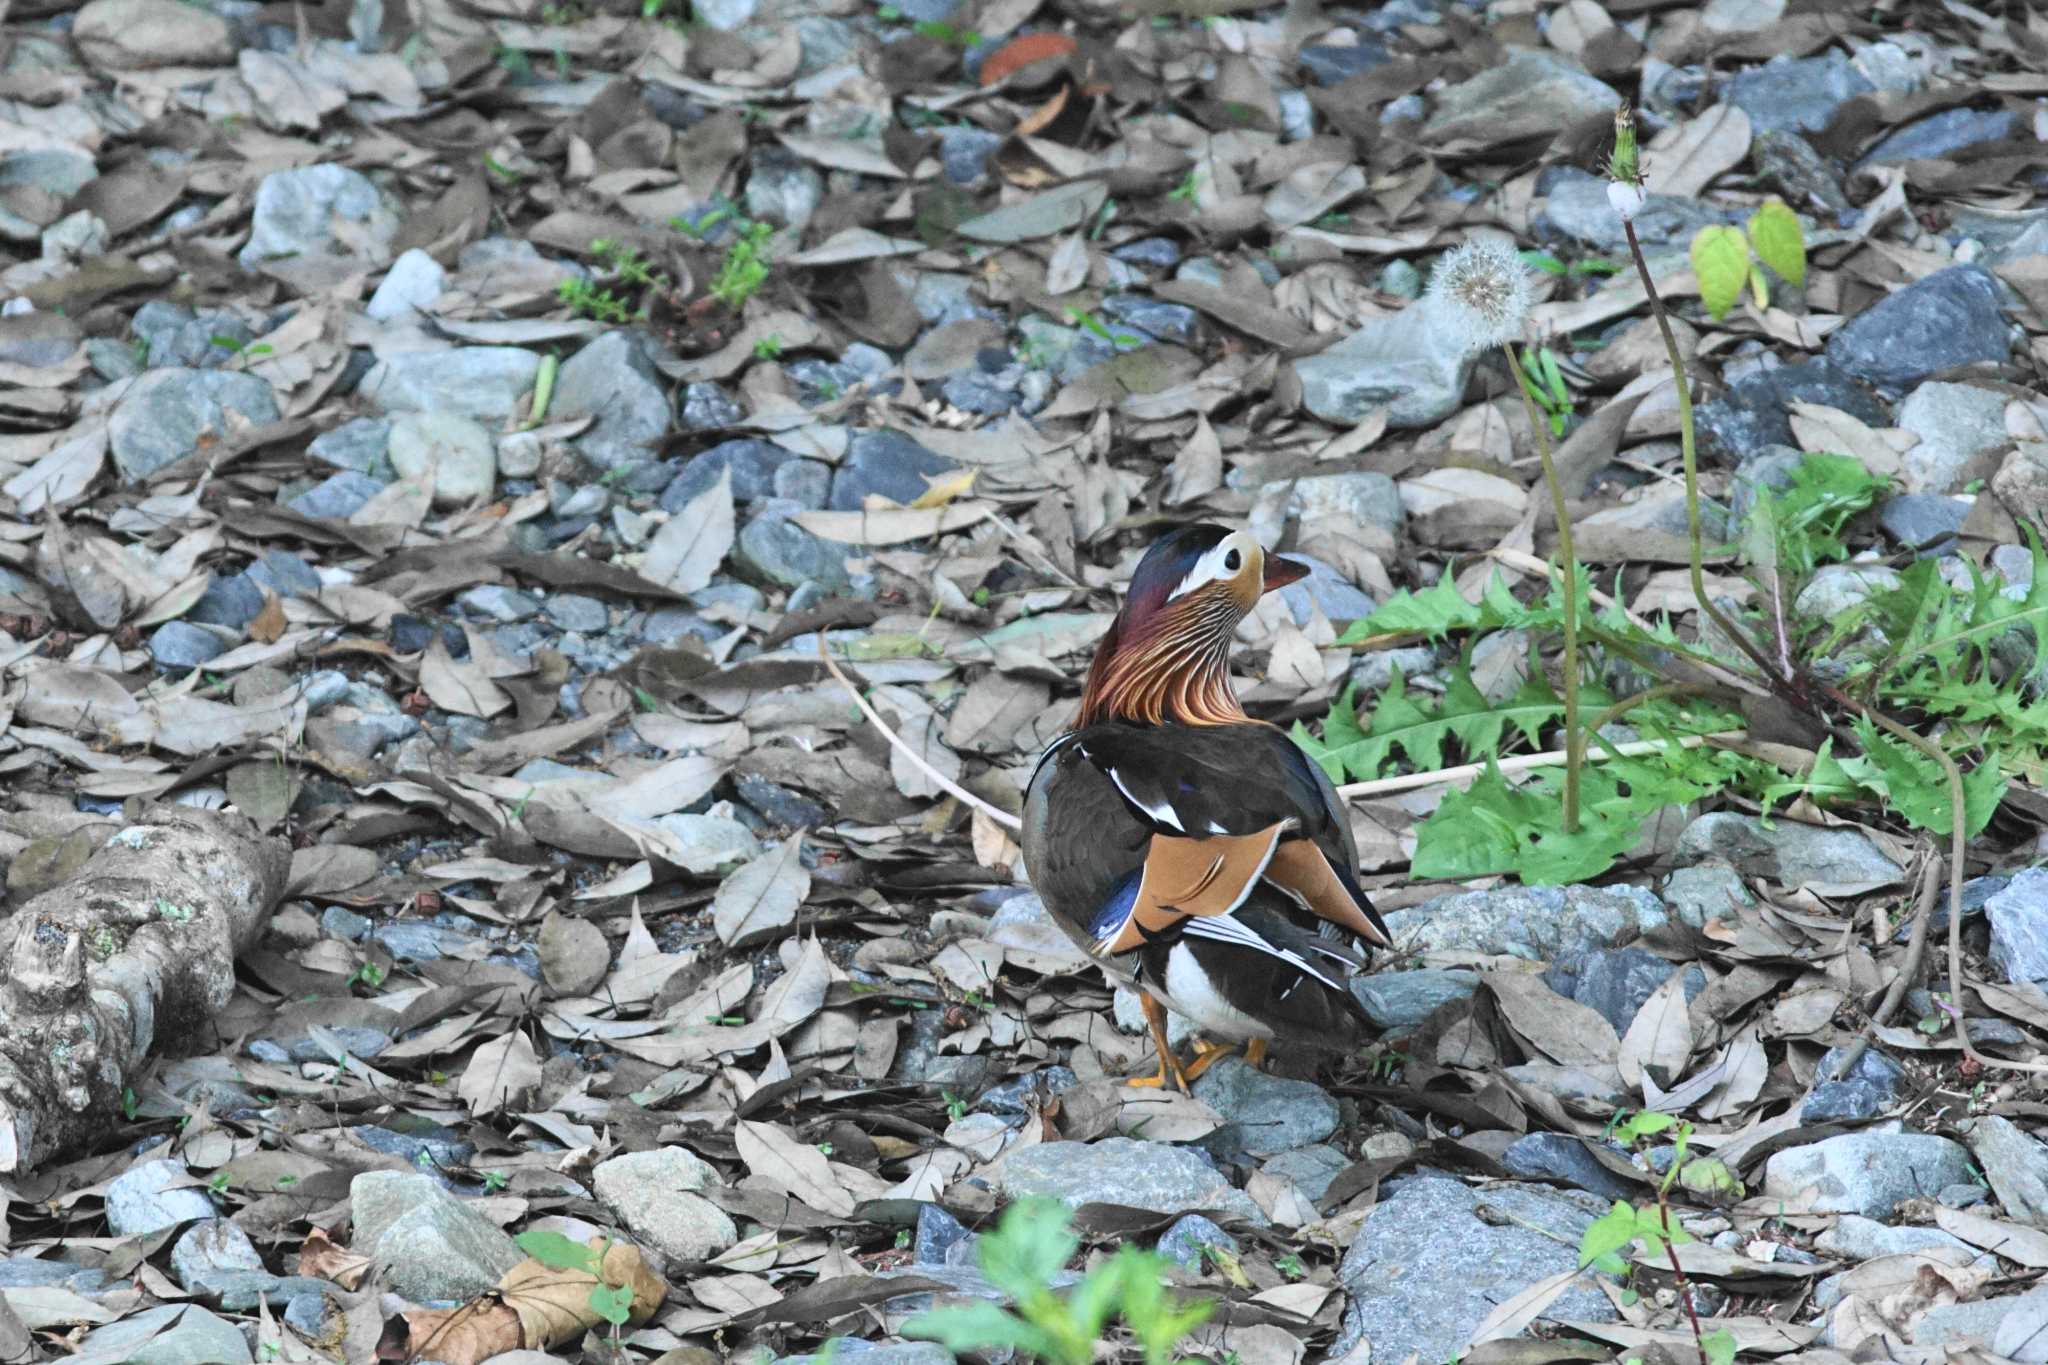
{"x": 1232, "y": 562}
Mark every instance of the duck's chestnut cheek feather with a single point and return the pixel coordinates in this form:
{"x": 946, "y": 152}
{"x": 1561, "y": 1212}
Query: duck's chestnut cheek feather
{"x": 1280, "y": 572}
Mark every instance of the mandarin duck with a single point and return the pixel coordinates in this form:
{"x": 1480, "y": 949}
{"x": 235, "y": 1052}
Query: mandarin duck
{"x": 1195, "y": 853}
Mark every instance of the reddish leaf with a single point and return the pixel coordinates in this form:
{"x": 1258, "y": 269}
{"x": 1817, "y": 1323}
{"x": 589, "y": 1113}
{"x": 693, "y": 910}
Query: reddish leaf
{"x": 1021, "y": 52}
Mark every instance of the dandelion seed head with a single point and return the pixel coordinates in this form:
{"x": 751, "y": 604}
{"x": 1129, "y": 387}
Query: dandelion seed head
{"x": 1480, "y": 291}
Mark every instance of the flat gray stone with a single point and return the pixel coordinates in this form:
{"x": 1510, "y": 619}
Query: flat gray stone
{"x": 1533, "y": 93}
{"x": 1359, "y": 497}
{"x": 1536, "y": 923}
{"x": 1399, "y": 1001}
{"x": 2015, "y": 1164}
{"x": 323, "y": 213}
{"x": 1949, "y": 318}
{"x": 2019, "y": 926}
{"x": 456, "y": 451}
{"x": 614, "y": 379}
{"x": 1868, "y": 1173}
{"x": 172, "y": 1334}
{"x": 412, "y": 284}
{"x": 655, "y": 1194}
{"x": 1836, "y": 589}
{"x": 484, "y": 382}
{"x": 1959, "y": 426}
{"x": 1127, "y": 1172}
{"x": 1789, "y": 852}
{"x": 337, "y": 498}
{"x": 1426, "y": 1267}
{"x": 433, "y": 1245}
{"x": 1856, "y": 1238}
{"x": 140, "y": 1200}
{"x": 166, "y": 413}
{"x": 1796, "y": 95}
{"x": 1400, "y": 362}
{"x": 1265, "y": 1114}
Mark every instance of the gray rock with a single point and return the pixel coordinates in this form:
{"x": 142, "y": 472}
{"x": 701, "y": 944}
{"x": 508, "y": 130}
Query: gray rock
{"x": 1985, "y": 1321}
{"x": 2014, "y": 1163}
{"x": 782, "y": 190}
{"x": 1958, "y": 425}
{"x": 1158, "y": 253}
{"x": 1426, "y": 1268}
{"x": 1870, "y": 1172}
{"x": 208, "y": 1249}
{"x": 1943, "y": 134}
{"x": 1264, "y": 1114}
{"x": 1755, "y": 411}
{"x": 338, "y": 498}
{"x": 1565, "y": 1160}
{"x": 1403, "y": 363}
{"x": 180, "y": 644}
{"x": 887, "y": 463}
{"x": 1575, "y": 206}
{"x": 1534, "y": 92}
{"x": 1616, "y": 982}
{"x": 285, "y": 574}
{"x": 433, "y": 1245}
{"x": 1793, "y": 94}
{"x": 724, "y": 15}
{"x": 878, "y": 1353}
{"x": 1127, "y": 1172}
{"x": 1399, "y": 1001}
{"x": 1311, "y": 1168}
{"x": 707, "y": 407}
{"x": 964, "y": 153}
{"x": 1790, "y": 853}
{"x": 1129, "y": 1014}
{"x": 1175, "y": 322}
{"x": 141, "y": 1199}
{"x": 412, "y": 284}
{"x": 1768, "y": 470}
{"x": 501, "y": 603}
{"x": 39, "y": 339}
{"x": 171, "y": 1334}
{"x": 1789, "y": 164}
{"x": 1707, "y": 890}
{"x": 1332, "y": 65}
{"x": 1862, "y": 1095}
{"x": 1950, "y": 318}
{"x": 1359, "y": 498}
{"x": 941, "y": 1239}
{"x": 455, "y": 451}
{"x": 111, "y": 360}
{"x": 178, "y": 337}
{"x": 749, "y": 465}
{"x": 971, "y": 393}
{"x": 1837, "y": 589}
{"x": 1589, "y": 1089}
{"x": 1924, "y": 522}
{"x": 615, "y": 380}
{"x": 165, "y": 415}
{"x": 1190, "y": 1235}
{"x": 655, "y": 1194}
{"x": 484, "y": 382}
{"x": 324, "y": 211}
{"x": 773, "y": 550}
{"x": 359, "y": 444}
{"x": 1537, "y": 923}
{"x": 1326, "y": 590}
{"x": 232, "y": 602}
{"x": 2019, "y": 927}
{"x": 1854, "y": 1238}
{"x": 571, "y": 611}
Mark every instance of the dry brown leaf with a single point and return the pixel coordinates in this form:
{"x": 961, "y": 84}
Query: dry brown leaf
{"x": 534, "y": 1307}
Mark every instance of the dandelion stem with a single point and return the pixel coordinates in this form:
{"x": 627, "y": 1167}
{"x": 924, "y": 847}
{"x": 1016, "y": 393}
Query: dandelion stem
{"x": 1574, "y": 740}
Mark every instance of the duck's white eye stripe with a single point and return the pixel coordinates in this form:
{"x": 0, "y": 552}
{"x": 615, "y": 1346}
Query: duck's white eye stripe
{"x": 1222, "y": 562}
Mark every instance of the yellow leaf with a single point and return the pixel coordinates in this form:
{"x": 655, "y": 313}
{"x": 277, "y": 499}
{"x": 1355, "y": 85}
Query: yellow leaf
{"x": 943, "y": 491}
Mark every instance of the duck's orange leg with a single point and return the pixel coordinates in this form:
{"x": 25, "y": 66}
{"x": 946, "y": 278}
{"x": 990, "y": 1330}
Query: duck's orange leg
{"x": 1255, "y": 1052}
{"x": 1207, "y": 1054}
{"x": 1169, "y": 1065}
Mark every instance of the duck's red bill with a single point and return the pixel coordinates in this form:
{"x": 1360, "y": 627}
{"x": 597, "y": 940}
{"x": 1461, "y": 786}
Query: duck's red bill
{"x": 1280, "y": 572}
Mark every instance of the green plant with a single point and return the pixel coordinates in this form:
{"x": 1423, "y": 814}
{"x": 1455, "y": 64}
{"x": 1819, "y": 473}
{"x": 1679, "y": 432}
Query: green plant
{"x": 768, "y": 348}
{"x": 1724, "y": 257}
{"x": 369, "y": 975}
{"x": 1029, "y": 1247}
{"x": 1651, "y": 1225}
{"x": 745, "y": 267}
{"x": 1542, "y": 383}
{"x": 1186, "y": 190}
{"x": 587, "y": 300}
{"x": 611, "y": 1302}
{"x": 1093, "y": 325}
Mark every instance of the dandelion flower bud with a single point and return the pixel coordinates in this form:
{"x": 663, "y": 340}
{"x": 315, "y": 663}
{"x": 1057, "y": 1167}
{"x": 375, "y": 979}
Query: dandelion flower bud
{"x": 1480, "y": 291}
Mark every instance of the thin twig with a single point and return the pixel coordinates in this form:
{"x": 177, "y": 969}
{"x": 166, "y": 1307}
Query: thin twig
{"x": 944, "y": 783}
{"x": 1916, "y": 948}
{"x": 1549, "y": 758}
